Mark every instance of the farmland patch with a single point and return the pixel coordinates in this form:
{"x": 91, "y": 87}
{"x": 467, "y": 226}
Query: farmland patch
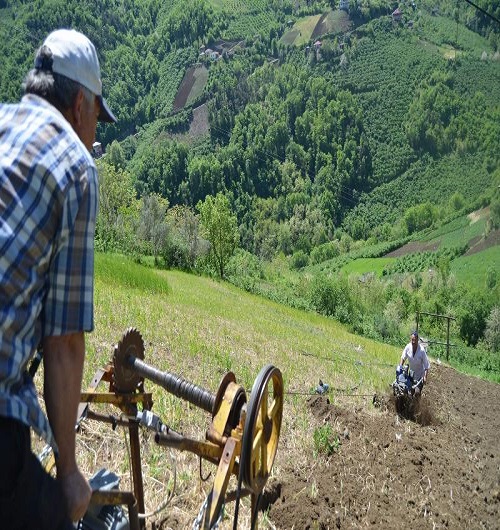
{"x": 334, "y": 21}
{"x": 302, "y": 31}
{"x": 191, "y": 86}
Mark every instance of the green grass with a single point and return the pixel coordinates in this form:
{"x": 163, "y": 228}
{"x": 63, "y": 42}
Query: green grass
{"x": 458, "y": 232}
{"x": 202, "y": 328}
{"x": 115, "y": 270}
{"x": 337, "y": 21}
{"x": 473, "y": 269}
{"x": 367, "y": 265}
{"x": 303, "y": 30}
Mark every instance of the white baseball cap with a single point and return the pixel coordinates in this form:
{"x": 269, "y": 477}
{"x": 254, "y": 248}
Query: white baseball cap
{"x": 74, "y": 56}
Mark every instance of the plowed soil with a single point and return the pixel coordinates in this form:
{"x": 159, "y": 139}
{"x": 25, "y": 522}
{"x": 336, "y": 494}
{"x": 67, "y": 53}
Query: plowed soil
{"x": 437, "y": 469}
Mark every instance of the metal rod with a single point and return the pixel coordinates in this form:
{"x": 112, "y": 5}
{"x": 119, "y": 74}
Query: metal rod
{"x": 448, "y": 341}
{"x": 135, "y": 453}
{"x": 174, "y": 384}
{"x": 115, "y": 498}
{"x": 436, "y": 315}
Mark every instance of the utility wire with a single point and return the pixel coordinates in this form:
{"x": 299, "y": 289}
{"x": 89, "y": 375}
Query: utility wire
{"x": 483, "y": 11}
{"x": 343, "y": 358}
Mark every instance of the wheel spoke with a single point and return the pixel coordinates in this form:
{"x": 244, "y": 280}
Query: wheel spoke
{"x": 275, "y": 408}
{"x": 263, "y": 459}
{"x": 257, "y": 441}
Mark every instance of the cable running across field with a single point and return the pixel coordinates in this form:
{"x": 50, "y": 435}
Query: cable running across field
{"x": 483, "y": 11}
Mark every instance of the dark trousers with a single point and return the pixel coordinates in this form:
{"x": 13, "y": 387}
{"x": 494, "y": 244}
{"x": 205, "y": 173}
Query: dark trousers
{"x": 30, "y": 499}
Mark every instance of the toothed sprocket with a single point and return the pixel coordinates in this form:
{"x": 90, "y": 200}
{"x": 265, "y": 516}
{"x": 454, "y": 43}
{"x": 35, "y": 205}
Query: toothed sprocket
{"x": 125, "y": 379}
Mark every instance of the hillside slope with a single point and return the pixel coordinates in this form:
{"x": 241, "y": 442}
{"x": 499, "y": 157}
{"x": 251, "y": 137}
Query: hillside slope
{"x": 385, "y": 471}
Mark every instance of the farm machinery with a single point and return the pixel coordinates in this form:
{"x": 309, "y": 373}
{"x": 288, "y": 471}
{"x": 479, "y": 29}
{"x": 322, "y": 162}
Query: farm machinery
{"x": 404, "y": 391}
{"x": 241, "y": 440}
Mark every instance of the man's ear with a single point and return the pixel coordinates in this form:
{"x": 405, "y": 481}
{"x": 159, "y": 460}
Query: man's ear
{"x": 77, "y": 109}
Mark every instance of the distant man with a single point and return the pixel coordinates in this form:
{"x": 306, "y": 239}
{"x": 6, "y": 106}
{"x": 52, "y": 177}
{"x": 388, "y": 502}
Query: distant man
{"x": 48, "y": 206}
{"x": 417, "y": 361}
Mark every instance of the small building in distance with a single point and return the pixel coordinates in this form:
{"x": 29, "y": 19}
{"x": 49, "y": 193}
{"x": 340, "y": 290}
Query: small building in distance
{"x": 96, "y": 150}
{"x": 397, "y": 15}
{"x": 344, "y": 5}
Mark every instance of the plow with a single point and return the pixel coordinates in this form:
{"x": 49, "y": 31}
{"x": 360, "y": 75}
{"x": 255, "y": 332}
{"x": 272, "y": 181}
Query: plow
{"x": 241, "y": 439}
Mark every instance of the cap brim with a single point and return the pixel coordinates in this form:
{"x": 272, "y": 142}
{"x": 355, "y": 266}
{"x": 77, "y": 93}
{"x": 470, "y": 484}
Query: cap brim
{"x": 106, "y": 114}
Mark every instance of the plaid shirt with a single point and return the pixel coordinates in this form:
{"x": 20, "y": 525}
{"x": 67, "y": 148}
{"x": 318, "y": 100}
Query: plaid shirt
{"x": 48, "y": 205}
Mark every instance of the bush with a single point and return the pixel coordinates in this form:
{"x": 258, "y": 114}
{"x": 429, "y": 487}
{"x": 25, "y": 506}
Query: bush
{"x": 472, "y": 318}
{"x": 331, "y": 297}
{"x": 492, "y": 332}
{"x": 244, "y": 269}
{"x": 324, "y": 252}
{"x": 299, "y": 260}
{"x": 419, "y": 217}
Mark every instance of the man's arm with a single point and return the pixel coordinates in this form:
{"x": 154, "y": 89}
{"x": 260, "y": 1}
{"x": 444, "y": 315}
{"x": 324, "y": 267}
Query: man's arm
{"x": 403, "y": 357}
{"x": 63, "y": 368}
{"x": 426, "y": 365}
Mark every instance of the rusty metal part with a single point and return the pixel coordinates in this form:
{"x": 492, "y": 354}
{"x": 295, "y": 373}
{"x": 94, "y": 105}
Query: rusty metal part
{"x": 120, "y": 400}
{"x": 262, "y": 428}
{"x": 131, "y": 345}
{"x": 83, "y": 407}
{"x": 206, "y": 450}
{"x": 135, "y": 457}
{"x": 113, "y": 420}
{"x": 115, "y": 497}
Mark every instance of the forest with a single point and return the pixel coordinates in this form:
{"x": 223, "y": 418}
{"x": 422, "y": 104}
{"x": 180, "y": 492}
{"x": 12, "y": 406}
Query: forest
{"x": 375, "y": 132}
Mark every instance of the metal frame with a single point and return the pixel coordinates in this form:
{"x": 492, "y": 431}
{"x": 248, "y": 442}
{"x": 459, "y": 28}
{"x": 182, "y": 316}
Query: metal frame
{"x": 233, "y": 427}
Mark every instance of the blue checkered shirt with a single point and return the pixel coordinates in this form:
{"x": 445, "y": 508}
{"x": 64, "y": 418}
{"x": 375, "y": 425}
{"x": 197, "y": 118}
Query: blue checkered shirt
{"x": 48, "y": 205}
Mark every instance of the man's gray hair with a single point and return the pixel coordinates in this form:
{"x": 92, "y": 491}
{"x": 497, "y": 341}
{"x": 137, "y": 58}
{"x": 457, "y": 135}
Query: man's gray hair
{"x": 57, "y": 89}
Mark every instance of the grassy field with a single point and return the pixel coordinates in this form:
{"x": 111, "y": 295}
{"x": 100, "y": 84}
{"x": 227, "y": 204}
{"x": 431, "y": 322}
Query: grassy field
{"x": 301, "y": 31}
{"x": 461, "y": 230}
{"x": 335, "y": 21}
{"x": 474, "y": 269}
{"x": 204, "y": 328}
{"x": 367, "y": 265}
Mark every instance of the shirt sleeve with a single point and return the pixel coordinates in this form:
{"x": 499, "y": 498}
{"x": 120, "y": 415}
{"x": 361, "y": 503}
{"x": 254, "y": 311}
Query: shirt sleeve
{"x": 426, "y": 363}
{"x": 69, "y": 304}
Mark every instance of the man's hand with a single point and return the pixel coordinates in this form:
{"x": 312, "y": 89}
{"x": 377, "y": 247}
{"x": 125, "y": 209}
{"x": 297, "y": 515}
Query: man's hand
{"x": 77, "y": 492}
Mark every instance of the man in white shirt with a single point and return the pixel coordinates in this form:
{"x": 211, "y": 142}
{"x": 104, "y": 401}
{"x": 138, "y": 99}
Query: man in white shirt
{"x": 417, "y": 360}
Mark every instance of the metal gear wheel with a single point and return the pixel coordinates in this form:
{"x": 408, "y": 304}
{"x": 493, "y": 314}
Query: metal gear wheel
{"x": 125, "y": 379}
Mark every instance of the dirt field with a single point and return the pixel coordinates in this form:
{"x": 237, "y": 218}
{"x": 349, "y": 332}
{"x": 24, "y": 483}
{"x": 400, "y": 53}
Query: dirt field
{"x": 441, "y": 470}
{"x": 477, "y": 244}
{"x": 412, "y": 247}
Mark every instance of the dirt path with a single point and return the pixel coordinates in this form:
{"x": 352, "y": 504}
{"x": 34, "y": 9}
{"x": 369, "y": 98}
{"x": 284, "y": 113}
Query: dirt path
{"x": 389, "y": 472}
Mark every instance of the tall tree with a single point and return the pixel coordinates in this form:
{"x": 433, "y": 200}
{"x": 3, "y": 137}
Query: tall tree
{"x": 153, "y": 227}
{"x": 220, "y": 228}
